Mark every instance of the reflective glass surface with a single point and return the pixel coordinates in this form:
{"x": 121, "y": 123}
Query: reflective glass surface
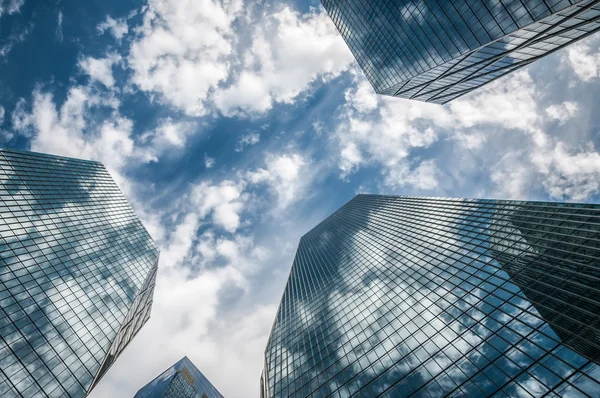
{"x": 430, "y": 297}
{"x": 438, "y": 50}
{"x": 182, "y": 380}
{"x": 77, "y": 272}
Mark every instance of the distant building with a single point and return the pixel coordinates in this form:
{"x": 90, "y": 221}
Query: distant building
{"x": 395, "y": 296}
{"x": 77, "y": 272}
{"x": 182, "y": 380}
{"x": 436, "y": 51}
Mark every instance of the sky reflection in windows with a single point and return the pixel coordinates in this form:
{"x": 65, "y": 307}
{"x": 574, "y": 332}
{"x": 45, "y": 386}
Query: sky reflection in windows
{"x": 399, "y": 296}
{"x": 436, "y": 50}
{"x": 77, "y": 272}
{"x": 182, "y": 380}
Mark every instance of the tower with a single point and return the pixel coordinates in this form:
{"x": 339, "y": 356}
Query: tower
{"x": 182, "y": 380}
{"x": 436, "y": 51}
{"x": 413, "y": 296}
{"x": 77, "y": 272}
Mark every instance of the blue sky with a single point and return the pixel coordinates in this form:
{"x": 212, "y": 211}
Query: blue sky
{"x": 234, "y": 127}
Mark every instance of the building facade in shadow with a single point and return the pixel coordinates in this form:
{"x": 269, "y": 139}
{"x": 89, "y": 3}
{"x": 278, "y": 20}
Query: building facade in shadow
{"x": 436, "y": 51}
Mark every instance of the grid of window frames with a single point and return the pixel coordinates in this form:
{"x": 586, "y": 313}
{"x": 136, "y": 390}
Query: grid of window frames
{"x": 77, "y": 270}
{"x": 182, "y": 380}
{"x": 430, "y": 297}
{"x": 438, "y": 50}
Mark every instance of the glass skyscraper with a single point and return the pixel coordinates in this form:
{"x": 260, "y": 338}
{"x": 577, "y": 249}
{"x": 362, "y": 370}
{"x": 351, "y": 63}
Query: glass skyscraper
{"x": 430, "y": 297}
{"x": 182, "y": 380}
{"x": 438, "y": 50}
{"x": 77, "y": 272}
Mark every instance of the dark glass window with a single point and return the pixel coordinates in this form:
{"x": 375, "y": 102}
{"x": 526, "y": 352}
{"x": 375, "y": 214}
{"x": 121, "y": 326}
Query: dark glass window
{"x": 438, "y": 50}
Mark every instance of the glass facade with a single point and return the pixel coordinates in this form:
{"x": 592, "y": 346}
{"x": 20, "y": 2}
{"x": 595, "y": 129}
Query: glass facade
{"x": 438, "y": 50}
{"x": 77, "y": 271}
{"x": 430, "y": 297}
{"x": 182, "y": 380}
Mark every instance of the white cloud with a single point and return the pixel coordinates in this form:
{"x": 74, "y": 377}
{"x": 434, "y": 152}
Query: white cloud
{"x": 289, "y": 51}
{"x": 10, "y": 6}
{"x": 472, "y": 140}
{"x": 511, "y": 178}
{"x": 247, "y": 140}
{"x": 509, "y": 102}
{"x": 182, "y": 49}
{"x": 5, "y": 135}
{"x": 71, "y": 130}
{"x": 224, "y": 202}
{"x": 100, "y": 69}
{"x": 424, "y": 176}
{"x": 208, "y": 161}
{"x": 384, "y": 134}
{"x": 568, "y": 173}
{"x": 189, "y": 52}
{"x": 584, "y": 59}
{"x": 14, "y": 38}
{"x": 180, "y": 241}
{"x": 387, "y": 131}
{"x": 565, "y": 173}
{"x": 287, "y": 175}
{"x": 350, "y": 159}
{"x": 117, "y": 27}
{"x": 169, "y": 135}
{"x": 519, "y": 157}
{"x": 59, "y": 21}
{"x": 562, "y": 112}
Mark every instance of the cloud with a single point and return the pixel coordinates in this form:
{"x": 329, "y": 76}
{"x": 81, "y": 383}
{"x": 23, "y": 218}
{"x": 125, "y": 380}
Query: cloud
{"x": 180, "y": 241}
{"x": 289, "y": 51}
{"x": 7, "y": 44}
{"x": 224, "y": 202}
{"x": 118, "y": 28}
{"x": 207, "y": 55}
{"x": 168, "y": 136}
{"x": 472, "y": 140}
{"x": 73, "y": 129}
{"x": 423, "y": 176}
{"x": 247, "y": 140}
{"x": 182, "y": 49}
{"x": 287, "y": 175}
{"x": 100, "y": 69}
{"x": 59, "y": 21}
{"x": 4, "y": 134}
{"x": 520, "y": 157}
{"x": 350, "y": 159}
{"x": 208, "y": 161}
{"x": 583, "y": 58}
{"x": 569, "y": 174}
{"x": 10, "y": 6}
{"x": 385, "y": 134}
{"x": 562, "y": 112}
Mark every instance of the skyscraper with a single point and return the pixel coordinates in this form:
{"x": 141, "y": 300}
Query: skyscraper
{"x": 430, "y": 297}
{"x": 435, "y": 51}
{"x": 77, "y": 272}
{"x": 182, "y": 380}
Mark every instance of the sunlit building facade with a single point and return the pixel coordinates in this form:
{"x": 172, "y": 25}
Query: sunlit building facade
{"x": 77, "y": 274}
{"x": 182, "y": 380}
{"x": 430, "y": 297}
{"x": 436, "y": 51}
